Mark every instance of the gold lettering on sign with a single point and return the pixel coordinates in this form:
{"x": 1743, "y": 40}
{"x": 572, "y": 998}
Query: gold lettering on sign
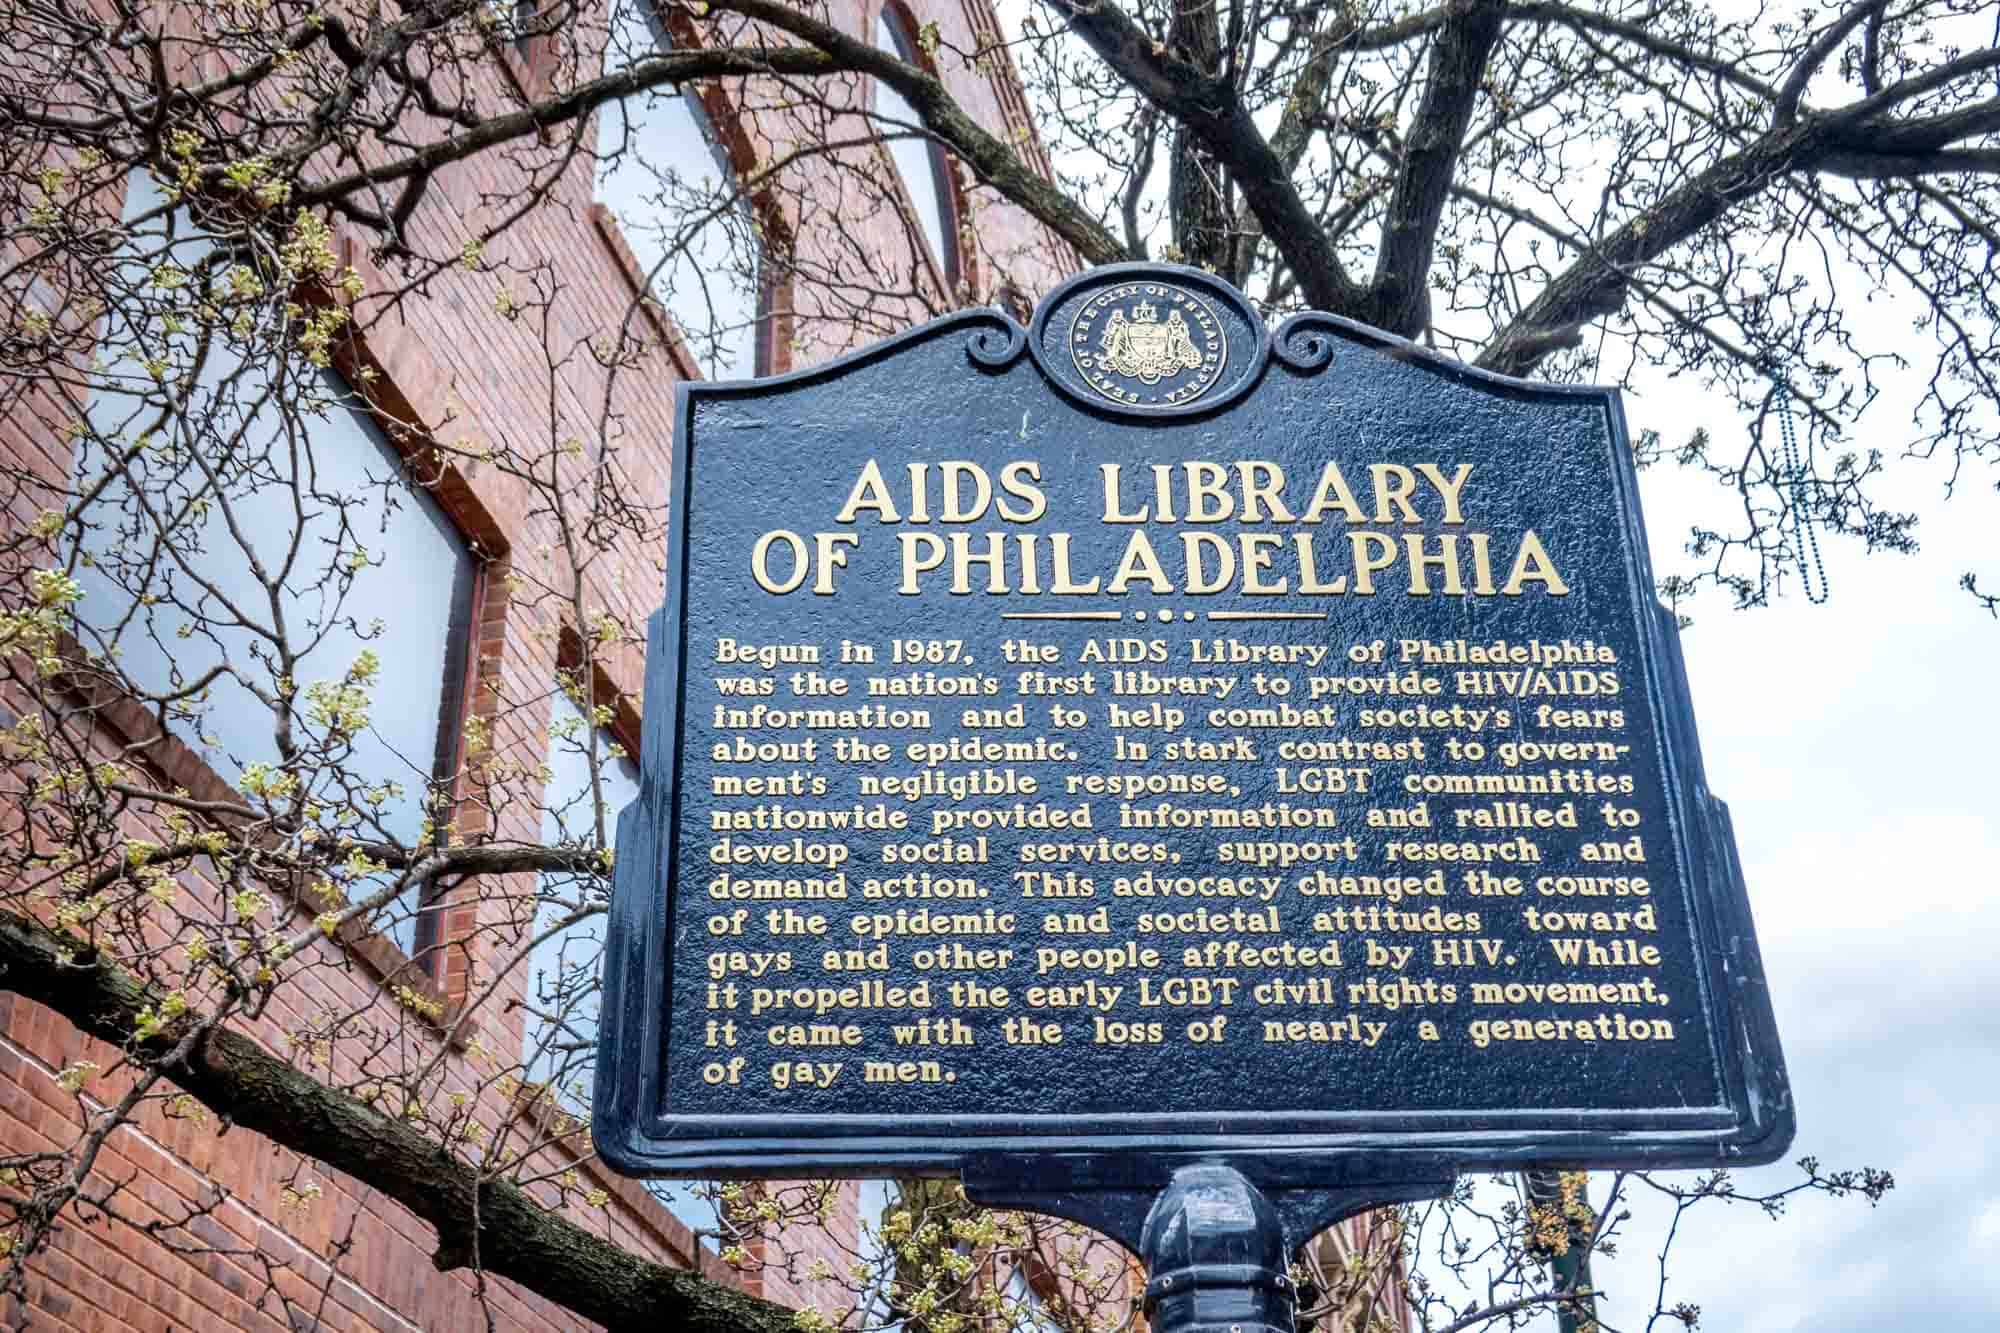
{"x": 922, "y": 853}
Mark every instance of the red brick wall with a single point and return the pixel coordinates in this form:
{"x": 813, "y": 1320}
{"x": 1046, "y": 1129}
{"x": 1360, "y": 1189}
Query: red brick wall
{"x": 350, "y": 1257}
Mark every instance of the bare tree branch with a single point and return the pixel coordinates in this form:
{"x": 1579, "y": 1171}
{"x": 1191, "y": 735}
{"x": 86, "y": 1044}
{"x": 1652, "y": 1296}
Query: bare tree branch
{"x": 1808, "y": 64}
{"x": 991, "y": 160}
{"x": 1212, "y": 113}
{"x": 1459, "y": 54}
{"x": 513, "y": 1236}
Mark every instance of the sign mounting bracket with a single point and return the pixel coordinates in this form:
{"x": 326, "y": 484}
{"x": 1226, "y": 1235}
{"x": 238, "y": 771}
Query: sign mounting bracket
{"x": 1216, "y": 1244}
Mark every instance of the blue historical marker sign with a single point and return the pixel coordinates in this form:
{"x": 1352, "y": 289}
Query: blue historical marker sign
{"x": 1149, "y": 735}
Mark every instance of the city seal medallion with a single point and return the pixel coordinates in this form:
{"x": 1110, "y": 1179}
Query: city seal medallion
{"x": 1148, "y": 344}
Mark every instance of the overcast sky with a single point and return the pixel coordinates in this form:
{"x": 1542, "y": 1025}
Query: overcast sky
{"x": 1855, "y": 743}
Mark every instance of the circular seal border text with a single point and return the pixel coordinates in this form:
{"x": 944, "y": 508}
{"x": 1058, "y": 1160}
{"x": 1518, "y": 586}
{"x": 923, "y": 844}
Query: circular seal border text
{"x": 1183, "y": 385}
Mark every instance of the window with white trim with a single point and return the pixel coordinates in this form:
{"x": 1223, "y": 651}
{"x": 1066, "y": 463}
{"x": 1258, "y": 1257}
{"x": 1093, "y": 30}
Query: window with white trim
{"x": 873, "y": 1202}
{"x": 664, "y": 174}
{"x": 566, "y": 958}
{"x": 189, "y": 505}
{"x": 919, "y": 161}
{"x": 1019, "y": 1300}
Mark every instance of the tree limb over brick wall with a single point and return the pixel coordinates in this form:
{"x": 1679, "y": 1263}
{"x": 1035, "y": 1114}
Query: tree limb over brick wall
{"x": 252, "y": 1090}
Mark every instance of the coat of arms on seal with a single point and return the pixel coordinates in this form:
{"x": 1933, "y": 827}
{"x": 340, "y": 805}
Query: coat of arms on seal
{"x": 1143, "y": 348}
{"x": 1161, "y": 335}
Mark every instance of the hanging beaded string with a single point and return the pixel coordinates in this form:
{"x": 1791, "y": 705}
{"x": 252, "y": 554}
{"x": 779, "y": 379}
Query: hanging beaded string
{"x": 1807, "y": 534}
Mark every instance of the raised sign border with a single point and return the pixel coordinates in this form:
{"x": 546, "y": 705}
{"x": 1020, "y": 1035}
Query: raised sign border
{"x": 1754, "y": 1124}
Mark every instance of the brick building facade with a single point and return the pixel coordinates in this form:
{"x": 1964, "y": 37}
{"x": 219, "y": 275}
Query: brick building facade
{"x": 211, "y": 1227}
{"x": 239, "y": 1218}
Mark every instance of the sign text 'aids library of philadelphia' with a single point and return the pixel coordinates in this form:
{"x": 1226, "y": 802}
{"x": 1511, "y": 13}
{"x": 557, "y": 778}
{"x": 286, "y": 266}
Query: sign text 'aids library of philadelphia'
{"x": 1150, "y": 730}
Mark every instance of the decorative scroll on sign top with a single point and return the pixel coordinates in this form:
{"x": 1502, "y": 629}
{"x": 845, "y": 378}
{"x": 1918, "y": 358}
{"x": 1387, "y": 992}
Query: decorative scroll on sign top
{"x": 1148, "y": 731}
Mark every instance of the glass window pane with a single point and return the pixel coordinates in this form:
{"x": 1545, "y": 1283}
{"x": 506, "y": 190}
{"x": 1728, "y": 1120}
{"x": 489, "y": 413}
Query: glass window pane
{"x": 915, "y": 158}
{"x": 1020, "y": 1298}
{"x": 560, "y": 1035}
{"x": 662, "y": 172}
{"x": 563, "y": 969}
{"x": 873, "y": 1201}
{"x": 317, "y": 497}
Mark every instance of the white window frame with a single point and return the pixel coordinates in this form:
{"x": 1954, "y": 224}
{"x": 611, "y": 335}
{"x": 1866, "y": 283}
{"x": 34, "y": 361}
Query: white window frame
{"x": 699, "y": 284}
{"x": 922, "y": 166}
{"x": 392, "y": 502}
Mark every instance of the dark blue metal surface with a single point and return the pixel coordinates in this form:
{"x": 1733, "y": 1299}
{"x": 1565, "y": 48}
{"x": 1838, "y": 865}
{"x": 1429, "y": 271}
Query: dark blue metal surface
{"x": 1216, "y": 1256}
{"x": 784, "y": 454}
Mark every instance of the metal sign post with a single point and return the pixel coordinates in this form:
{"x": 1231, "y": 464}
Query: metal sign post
{"x": 1194, "y": 779}
{"x": 1216, "y": 1246}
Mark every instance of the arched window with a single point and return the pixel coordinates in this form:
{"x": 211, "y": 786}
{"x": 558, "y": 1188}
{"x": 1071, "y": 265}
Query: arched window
{"x": 297, "y": 476}
{"x": 566, "y": 962}
{"x": 662, "y": 169}
{"x": 920, "y": 161}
